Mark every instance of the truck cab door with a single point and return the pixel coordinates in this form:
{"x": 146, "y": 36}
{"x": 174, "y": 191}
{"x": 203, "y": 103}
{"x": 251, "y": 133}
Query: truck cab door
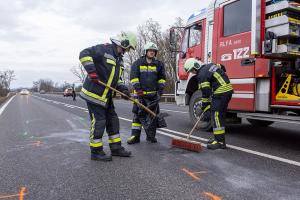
{"x": 232, "y": 47}
{"x": 234, "y": 38}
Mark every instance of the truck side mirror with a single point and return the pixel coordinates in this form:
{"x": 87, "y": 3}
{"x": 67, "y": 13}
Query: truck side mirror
{"x": 173, "y": 39}
{"x": 172, "y": 36}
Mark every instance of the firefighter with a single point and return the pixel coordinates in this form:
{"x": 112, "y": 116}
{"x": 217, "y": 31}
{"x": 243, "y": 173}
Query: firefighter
{"x": 216, "y": 94}
{"x": 104, "y": 62}
{"x": 148, "y": 79}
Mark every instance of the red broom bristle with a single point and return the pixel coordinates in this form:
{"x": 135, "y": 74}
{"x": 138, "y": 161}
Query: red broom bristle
{"x": 187, "y": 145}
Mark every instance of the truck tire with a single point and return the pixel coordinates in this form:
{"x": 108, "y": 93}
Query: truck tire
{"x": 260, "y": 123}
{"x": 194, "y": 106}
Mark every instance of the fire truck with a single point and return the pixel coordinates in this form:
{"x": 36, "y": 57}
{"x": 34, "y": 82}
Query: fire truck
{"x": 258, "y": 42}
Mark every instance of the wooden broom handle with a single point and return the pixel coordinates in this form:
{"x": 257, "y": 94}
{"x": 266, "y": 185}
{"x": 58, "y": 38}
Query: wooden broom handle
{"x": 188, "y": 137}
{"x": 130, "y": 98}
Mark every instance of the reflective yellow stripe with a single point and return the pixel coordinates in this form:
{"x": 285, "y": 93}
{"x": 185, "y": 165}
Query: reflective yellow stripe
{"x": 149, "y": 92}
{"x": 143, "y": 67}
{"x": 99, "y": 144}
{"x": 114, "y": 140}
{"x": 136, "y": 124}
{"x": 132, "y": 137}
{"x": 162, "y": 81}
{"x": 206, "y": 108}
{"x": 120, "y": 81}
{"x": 217, "y": 119}
{"x": 92, "y": 127}
{"x": 111, "y": 61}
{"x": 86, "y": 58}
{"x": 219, "y": 132}
{"x": 204, "y": 84}
{"x": 216, "y": 142}
{"x": 205, "y": 100}
{"x": 111, "y": 77}
{"x": 135, "y": 80}
{"x": 152, "y": 68}
{"x": 93, "y": 95}
{"x": 219, "y": 78}
{"x": 223, "y": 89}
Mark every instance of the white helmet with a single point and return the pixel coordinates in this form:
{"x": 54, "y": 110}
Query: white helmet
{"x": 150, "y": 46}
{"x": 125, "y": 40}
{"x": 192, "y": 63}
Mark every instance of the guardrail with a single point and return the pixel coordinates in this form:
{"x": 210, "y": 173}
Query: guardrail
{"x": 168, "y": 98}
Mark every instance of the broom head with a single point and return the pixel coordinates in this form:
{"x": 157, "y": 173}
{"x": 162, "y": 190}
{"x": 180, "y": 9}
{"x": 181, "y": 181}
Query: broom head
{"x": 187, "y": 144}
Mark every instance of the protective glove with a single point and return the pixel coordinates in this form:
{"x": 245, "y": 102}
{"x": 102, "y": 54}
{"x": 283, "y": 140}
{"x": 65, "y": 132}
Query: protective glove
{"x": 127, "y": 94}
{"x": 140, "y": 92}
{"x": 93, "y": 77}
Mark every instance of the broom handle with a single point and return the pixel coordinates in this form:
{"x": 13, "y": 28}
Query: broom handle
{"x": 188, "y": 137}
{"x": 131, "y": 99}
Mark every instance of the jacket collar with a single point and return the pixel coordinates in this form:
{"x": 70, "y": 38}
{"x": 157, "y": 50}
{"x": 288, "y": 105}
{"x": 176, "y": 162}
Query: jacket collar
{"x": 114, "y": 48}
{"x": 145, "y": 61}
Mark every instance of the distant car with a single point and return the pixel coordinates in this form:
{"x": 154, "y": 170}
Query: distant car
{"x": 24, "y": 92}
{"x": 42, "y": 92}
{"x": 68, "y": 92}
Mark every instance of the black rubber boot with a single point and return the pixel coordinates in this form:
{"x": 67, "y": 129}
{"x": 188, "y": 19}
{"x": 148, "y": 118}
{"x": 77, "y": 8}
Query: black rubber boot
{"x": 133, "y": 139}
{"x": 151, "y": 139}
{"x": 210, "y": 140}
{"x": 100, "y": 156}
{"x": 120, "y": 152}
{"x": 216, "y": 145}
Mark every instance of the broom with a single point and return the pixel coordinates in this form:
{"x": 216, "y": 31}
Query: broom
{"x": 187, "y": 143}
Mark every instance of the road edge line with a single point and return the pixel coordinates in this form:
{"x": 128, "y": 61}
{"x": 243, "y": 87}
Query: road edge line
{"x": 6, "y": 104}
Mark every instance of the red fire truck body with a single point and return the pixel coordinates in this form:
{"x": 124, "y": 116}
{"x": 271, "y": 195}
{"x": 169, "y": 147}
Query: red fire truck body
{"x": 258, "y": 41}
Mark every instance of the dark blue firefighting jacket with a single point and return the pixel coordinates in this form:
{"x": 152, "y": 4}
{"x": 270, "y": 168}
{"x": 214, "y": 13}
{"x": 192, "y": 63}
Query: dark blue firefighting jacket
{"x": 150, "y": 77}
{"x": 103, "y": 60}
{"x": 212, "y": 80}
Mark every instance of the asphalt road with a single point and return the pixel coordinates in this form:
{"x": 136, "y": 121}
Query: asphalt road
{"x": 44, "y": 154}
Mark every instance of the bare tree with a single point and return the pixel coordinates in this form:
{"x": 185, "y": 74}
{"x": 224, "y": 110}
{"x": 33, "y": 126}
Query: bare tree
{"x": 79, "y": 72}
{"x": 151, "y": 32}
{"x": 6, "y": 77}
{"x": 43, "y": 84}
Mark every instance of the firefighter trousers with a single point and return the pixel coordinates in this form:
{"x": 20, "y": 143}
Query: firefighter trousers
{"x": 142, "y": 118}
{"x": 219, "y": 106}
{"x": 103, "y": 118}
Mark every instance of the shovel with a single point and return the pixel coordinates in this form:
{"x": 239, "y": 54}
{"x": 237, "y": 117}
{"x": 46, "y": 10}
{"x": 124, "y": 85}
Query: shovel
{"x": 159, "y": 116}
{"x": 147, "y": 120}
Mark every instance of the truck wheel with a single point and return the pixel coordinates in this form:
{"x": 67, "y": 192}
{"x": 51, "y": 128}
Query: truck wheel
{"x": 261, "y": 123}
{"x": 195, "y": 107}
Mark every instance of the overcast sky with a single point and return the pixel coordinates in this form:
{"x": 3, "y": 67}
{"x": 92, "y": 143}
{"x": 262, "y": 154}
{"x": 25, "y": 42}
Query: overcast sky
{"x": 43, "y": 38}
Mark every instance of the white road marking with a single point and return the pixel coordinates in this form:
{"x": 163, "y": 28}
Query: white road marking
{"x": 291, "y": 162}
{"x": 69, "y": 106}
{"x": 5, "y": 105}
{"x": 174, "y": 111}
